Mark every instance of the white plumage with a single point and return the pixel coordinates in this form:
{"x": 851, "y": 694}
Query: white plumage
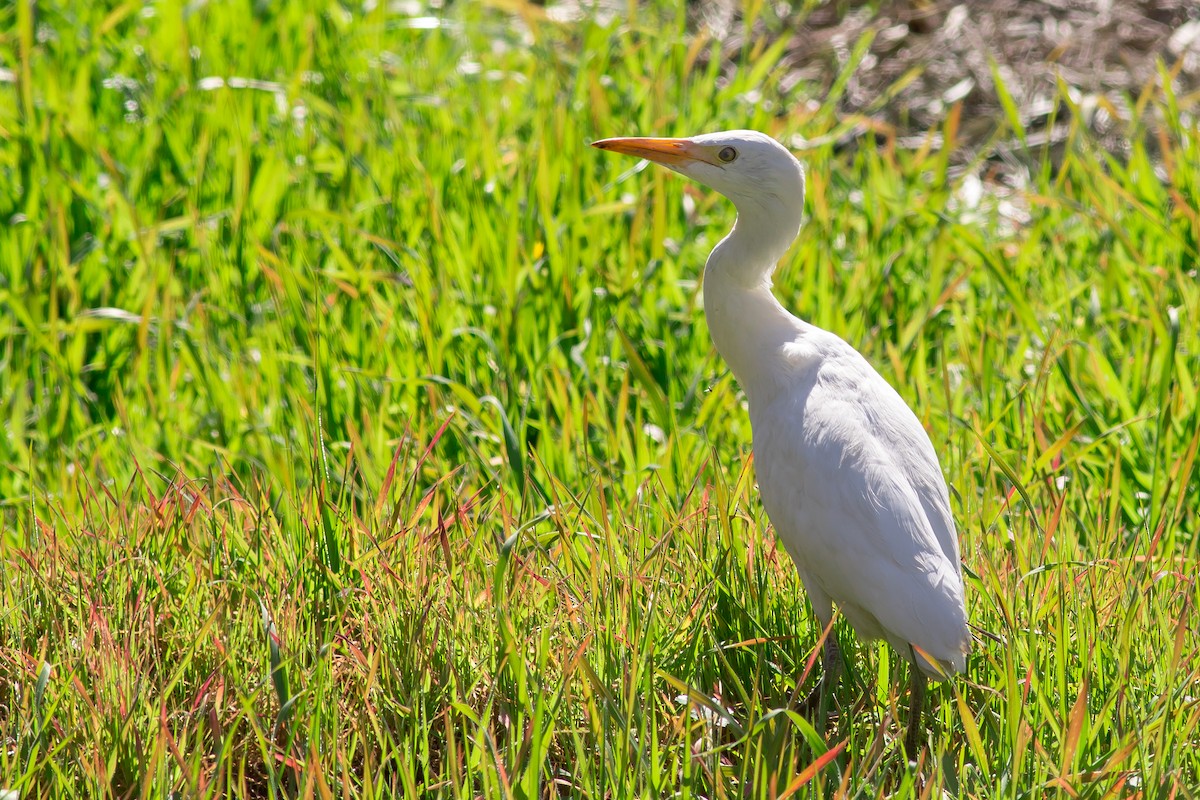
{"x": 847, "y": 473}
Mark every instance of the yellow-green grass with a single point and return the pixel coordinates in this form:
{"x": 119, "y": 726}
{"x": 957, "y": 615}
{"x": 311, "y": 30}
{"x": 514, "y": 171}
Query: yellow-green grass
{"x": 363, "y": 436}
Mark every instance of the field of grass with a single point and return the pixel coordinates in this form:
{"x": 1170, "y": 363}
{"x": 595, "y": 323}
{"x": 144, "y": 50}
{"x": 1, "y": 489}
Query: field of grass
{"x": 363, "y": 436}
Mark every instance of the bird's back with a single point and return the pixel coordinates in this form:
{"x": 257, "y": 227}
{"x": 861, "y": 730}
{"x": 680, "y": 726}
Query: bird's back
{"x": 853, "y": 487}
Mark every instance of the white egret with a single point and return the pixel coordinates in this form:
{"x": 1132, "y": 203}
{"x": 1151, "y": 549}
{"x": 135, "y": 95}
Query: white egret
{"x": 847, "y": 474}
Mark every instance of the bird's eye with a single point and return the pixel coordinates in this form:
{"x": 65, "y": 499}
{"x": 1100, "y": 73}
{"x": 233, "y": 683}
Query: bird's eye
{"x": 727, "y": 154}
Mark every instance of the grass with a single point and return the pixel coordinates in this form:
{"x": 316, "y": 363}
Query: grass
{"x": 363, "y": 436}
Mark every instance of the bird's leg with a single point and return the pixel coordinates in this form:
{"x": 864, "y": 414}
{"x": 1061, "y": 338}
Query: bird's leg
{"x": 831, "y": 672}
{"x": 916, "y": 711}
{"x": 831, "y": 661}
{"x": 819, "y": 698}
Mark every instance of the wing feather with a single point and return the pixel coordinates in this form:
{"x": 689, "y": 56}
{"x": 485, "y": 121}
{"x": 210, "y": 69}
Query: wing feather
{"x": 853, "y": 487}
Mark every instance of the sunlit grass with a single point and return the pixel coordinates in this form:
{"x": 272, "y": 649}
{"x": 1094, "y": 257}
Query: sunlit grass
{"x": 363, "y": 436}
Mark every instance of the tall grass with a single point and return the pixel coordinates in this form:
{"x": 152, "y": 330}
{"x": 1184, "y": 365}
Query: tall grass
{"x": 363, "y": 436}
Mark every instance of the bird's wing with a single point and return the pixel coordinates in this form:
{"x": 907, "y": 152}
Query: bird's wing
{"x": 854, "y": 489}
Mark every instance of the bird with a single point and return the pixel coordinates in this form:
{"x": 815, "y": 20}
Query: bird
{"x": 848, "y": 476}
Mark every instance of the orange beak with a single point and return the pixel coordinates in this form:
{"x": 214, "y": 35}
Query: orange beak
{"x": 668, "y": 152}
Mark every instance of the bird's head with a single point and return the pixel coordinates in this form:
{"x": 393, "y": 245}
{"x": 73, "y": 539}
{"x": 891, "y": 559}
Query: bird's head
{"x": 764, "y": 181}
{"x": 750, "y": 168}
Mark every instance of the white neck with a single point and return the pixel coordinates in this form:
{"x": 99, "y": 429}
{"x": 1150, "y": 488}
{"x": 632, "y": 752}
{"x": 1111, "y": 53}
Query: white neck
{"x": 748, "y": 325}
{"x": 761, "y": 236}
